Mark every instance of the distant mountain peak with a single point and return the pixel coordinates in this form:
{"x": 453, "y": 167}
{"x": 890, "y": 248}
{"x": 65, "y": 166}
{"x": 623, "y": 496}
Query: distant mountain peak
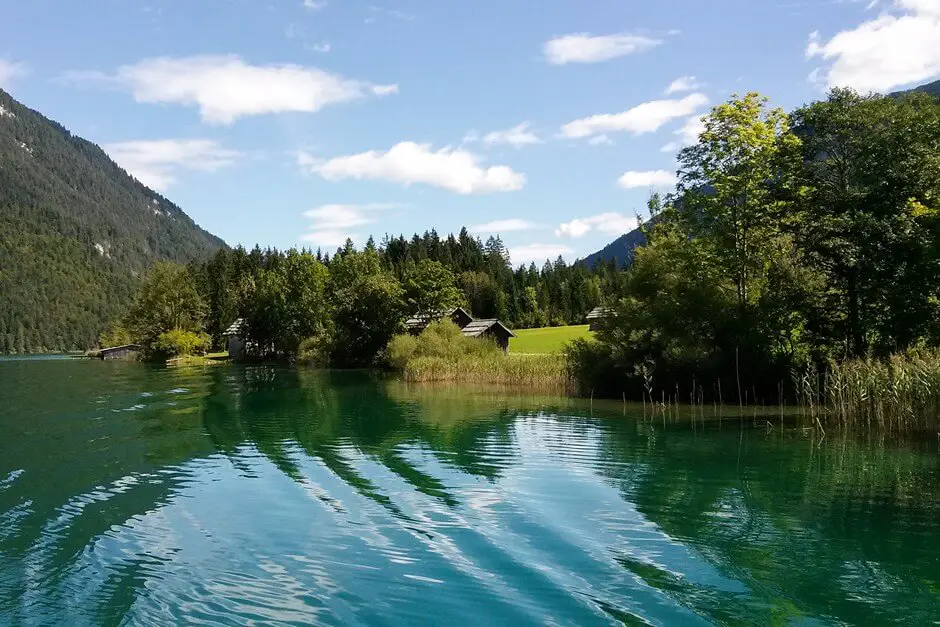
{"x": 620, "y": 250}
{"x": 930, "y": 88}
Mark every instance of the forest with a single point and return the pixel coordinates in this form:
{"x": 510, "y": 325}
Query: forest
{"x": 77, "y": 233}
{"x": 792, "y": 241}
{"x": 349, "y": 304}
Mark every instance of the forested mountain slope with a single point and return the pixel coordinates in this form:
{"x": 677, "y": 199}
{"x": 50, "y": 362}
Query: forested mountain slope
{"x": 930, "y": 88}
{"x": 76, "y": 232}
{"x": 620, "y": 250}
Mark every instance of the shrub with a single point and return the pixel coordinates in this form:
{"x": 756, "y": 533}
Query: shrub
{"x": 442, "y": 353}
{"x": 401, "y": 350}
{"x": 178, "y": 343}
{"x": 116, "y": 335}
{"x": 315, "y": 350}
{"x": 441, "y": 339}
{"x": 592, "y": 368}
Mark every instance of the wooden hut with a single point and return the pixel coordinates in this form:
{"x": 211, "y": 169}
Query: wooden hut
{"x": 493, "y": 329}
{"x": 596, "y": 317}
{"x": 119, "y": 352}
{"x": 235, "y": 338}
{"x": 419, "y": 322}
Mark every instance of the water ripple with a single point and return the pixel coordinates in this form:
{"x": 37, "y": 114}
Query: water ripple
{"x": 267, "y": 496}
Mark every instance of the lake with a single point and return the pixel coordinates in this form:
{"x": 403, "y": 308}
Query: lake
{"x": 235, "y": 495}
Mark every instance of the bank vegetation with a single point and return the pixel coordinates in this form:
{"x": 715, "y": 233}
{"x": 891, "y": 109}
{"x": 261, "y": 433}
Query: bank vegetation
{"x": 796, "y": 261}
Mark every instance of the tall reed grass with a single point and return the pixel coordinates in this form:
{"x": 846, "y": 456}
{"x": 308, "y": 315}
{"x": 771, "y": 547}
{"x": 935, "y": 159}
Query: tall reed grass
{"x": 896, "y": 395}
{"x": 441, "y": 353}
{"x": 538, "y": 372}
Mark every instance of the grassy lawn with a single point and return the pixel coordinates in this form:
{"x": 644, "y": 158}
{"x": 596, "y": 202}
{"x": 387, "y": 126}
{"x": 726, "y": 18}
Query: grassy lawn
{"x": 546, "y": 339}
{"x": 200, "y": 360}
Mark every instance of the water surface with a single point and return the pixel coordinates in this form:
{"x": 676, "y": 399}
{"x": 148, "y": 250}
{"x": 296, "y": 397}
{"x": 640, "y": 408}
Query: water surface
{"x": 234, "y": 495}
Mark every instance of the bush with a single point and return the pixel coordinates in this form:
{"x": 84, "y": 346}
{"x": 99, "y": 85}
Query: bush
{"x": 116, "y": 335}
{"x": 401, "y": 350}
{"x": 179, "y": 343}
{"x": 592, "y": 368}
{"x": 443, "y": 353}
{"x": 315, "y": 350}
{"x": 441, "y": 339}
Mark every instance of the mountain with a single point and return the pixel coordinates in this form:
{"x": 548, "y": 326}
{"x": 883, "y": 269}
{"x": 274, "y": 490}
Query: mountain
{"x": 930, "y": 88}
{"x": 76, "y": 233}
{"x": 621, "y": 249}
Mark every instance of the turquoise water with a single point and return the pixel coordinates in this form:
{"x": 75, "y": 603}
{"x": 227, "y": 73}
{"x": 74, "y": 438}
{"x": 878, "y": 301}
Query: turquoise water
{"x": 233, "y": 495}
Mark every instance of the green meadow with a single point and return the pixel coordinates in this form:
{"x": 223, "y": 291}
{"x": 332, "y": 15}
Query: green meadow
{"x": 547, "y": 340}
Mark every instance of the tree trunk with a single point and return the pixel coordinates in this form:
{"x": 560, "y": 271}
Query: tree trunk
{"x": 855, "y": 325}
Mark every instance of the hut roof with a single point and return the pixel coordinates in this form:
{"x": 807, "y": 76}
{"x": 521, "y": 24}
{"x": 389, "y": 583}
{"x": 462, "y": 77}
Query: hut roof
{"x": 237, "y": 328}
{"x": 479, "y": 327}
{"x": 601, "y": 312}
{"x": 421, "y": 320}
{"x": 112, "y": 349}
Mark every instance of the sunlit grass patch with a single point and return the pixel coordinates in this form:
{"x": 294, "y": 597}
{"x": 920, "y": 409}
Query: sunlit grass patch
{"x": 547, "y": 339}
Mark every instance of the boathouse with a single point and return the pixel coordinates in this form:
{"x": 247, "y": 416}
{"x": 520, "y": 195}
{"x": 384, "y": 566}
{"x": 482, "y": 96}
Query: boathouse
{"x": 235, "y": 338}
{"x": 119, "y": 352}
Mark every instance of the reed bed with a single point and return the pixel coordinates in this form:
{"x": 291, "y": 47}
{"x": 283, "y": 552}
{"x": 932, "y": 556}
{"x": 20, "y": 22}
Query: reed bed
{"x": 900, "y": 394}
{"x": 441, "y": 353}
{"x": 538, "y": 372}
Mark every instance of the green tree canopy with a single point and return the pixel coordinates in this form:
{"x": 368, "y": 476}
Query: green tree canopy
{"x": 287, "y": 304}
{"x": 367, "y": 303}
{"x": 166, "y": 301}
{"x": 729, "y": 188}
{"x": 871, "y": 175}
{"x": 430, "y": 288}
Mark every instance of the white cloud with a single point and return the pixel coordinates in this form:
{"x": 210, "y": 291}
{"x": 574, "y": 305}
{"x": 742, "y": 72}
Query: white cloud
{"x": 897, "y": 48}
{"x": 538, "y": 252}
{"x": 156, "y": 163}
{"x": 333, "y": 224}
{"x": 587, "y": 48}
{"x": 683, "y": 83}
{"x": 396, "y": 13}
{"x": 644, "y": 118}
{"x": 648, "y": 178}
{"x": 10, "y": 70}
{"x": 517, "y": 136}
{"x": 225, "y": 87}
{"x": 384, "y": 90}
{"x": 687, "y": 135}
{"x": 315, "y": 5}
{"x": 925, "y": 7}
{"x": 610, "y": 223}
{"x": 601, "y": 140}
{"x": 324, "y": 46}
{"x": 504, "y": 226}
{"x": 453, "y": 169}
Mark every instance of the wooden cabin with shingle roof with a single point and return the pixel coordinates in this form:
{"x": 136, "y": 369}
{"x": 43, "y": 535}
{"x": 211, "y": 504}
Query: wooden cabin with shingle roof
{"x": 596, "y": 317}
{"x": 235, "y": 338}
{"x": 492, "y": 329}
{"x": 419, "y": 322}
{"x": 119, "y": 352}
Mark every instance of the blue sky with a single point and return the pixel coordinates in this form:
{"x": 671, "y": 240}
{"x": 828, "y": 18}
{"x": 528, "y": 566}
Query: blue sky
{"x": 301, "y": 122}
